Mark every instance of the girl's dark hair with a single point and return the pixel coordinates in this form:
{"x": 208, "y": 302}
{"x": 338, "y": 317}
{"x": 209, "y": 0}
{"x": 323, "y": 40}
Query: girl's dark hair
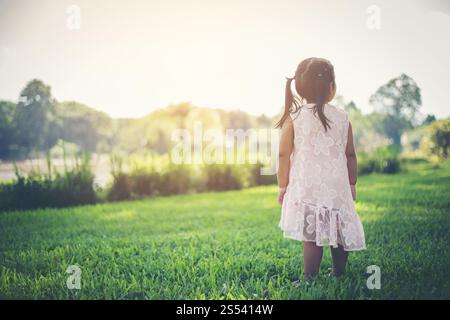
{"x": 312, "y": 83}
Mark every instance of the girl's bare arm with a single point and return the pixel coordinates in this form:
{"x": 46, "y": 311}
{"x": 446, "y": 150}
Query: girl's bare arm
{"x": 285, "y": 151}
{"x": 352, "y": 162}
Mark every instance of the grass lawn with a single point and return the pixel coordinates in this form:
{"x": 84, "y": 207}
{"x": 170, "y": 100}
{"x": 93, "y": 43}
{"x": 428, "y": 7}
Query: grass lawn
{"x": 228, "y": 245}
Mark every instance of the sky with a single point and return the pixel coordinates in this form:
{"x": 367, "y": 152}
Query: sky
{"x": 128, "y": 58}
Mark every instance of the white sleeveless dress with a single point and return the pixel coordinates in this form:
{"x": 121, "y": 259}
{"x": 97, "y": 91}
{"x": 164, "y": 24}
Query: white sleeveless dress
{"x": 318, "y": 205}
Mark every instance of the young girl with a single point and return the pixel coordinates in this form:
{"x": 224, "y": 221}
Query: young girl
{"x": 318, "y": 170}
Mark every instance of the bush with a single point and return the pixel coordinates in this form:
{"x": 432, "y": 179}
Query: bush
{"x": 120, "y": 188}
{"x": 121, "y": 185}
{"x": 72, "y": 187}
{"x": 177, "y": 179}
{"x": 158, "y": 176}
{"x": 221, "y": 177}
{"x": 258, "y": 179}
{"x": 366, "y": 164}
{"x": 170, "y": 179}
{"x": 387, "y": 159}
{"x": 437, "y": 139}
{"x": 149, "y": 178}
{"x": 384, "y": 159}
{"x": 145, "y": 183}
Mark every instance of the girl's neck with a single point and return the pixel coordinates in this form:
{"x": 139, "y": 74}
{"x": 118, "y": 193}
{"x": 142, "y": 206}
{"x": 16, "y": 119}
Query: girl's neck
{"x": 309, "y": 103}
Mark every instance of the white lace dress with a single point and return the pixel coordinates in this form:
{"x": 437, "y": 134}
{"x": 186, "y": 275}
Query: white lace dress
{"x": 318, "y": 205}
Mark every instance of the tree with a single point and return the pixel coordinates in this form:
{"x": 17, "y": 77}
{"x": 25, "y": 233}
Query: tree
{"x": 430, "y": 118}
{"x": 351, "y": 107}
{"x": 84, "y": 126}
{"x": 398, "y": 102}
{"x": 237, "y": 119}
{"x": 7, "y": 133}
{"x": 437, "y": 140}
{"x": 35, "y": 120}
{"x": 340, "y": 101}
{"x": 264, "y": 121}
{"x": 366, "y": 135}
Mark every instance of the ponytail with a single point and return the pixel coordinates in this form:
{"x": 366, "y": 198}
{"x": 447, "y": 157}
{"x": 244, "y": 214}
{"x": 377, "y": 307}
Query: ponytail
{"x": 321, "y": 92}
{"x": 289, "y": 100}
{"x": 318, "y": 109}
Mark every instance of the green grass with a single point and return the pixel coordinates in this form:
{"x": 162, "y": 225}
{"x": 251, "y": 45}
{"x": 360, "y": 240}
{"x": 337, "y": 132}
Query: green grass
{"x": 228, "y": 245}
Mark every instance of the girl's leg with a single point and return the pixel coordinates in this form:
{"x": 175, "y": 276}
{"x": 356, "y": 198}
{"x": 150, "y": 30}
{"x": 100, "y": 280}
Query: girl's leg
{"x": 339, "y": 256}
{"x": 312, "y": 256}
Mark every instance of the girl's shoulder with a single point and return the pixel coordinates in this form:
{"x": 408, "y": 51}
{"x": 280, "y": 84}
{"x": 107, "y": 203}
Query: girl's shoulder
{"x": 305, "y": 112}
{"x": 338, "y": 112}
{"x": 338, "y": 109}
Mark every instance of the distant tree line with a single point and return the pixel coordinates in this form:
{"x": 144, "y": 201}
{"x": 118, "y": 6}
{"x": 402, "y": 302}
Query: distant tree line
{"x": 36, "y": 123}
